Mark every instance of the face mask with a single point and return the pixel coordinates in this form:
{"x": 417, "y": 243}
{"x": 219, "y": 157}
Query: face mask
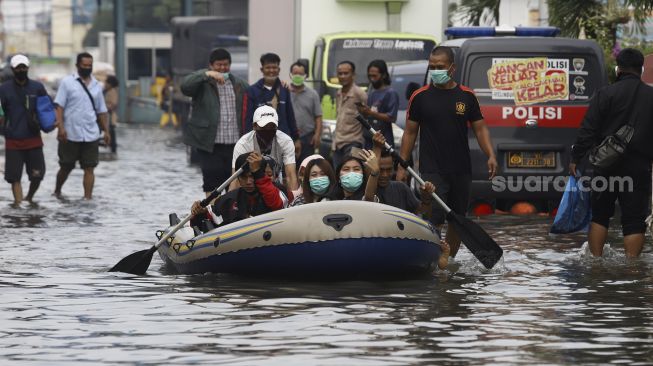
{"x": 20, "y": 75}
{"x": 265, "y": 137}
{"x": 377, "y": 84}
{"x": 440, "y": 77}
{"x": 351, "y": 181}
{"x": 297, "y": 80}
{"x": 225, "y": 75}
{"x": 319, "y": 185}
{"x": 84, "y": 72}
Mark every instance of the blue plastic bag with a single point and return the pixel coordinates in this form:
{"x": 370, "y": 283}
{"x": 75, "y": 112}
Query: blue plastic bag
{"x": 575, "y": 211}
{"x": 45, "y": 112}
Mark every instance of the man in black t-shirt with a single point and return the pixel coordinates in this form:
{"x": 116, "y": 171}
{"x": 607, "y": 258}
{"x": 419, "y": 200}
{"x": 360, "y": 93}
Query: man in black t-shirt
{"x": 440, "y": 112}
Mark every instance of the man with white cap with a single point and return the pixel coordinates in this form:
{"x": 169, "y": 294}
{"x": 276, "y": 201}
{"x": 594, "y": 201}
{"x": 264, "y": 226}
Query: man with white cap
{"x": 23, "y": 143}
{"x": 268, "y": 140}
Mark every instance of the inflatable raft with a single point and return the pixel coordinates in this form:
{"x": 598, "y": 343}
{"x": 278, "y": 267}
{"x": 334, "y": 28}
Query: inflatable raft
{"x": 329, "y": 239}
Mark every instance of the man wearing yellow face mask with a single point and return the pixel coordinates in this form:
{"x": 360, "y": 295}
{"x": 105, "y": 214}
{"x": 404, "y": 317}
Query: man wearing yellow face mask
{"x": 308, "y": 111}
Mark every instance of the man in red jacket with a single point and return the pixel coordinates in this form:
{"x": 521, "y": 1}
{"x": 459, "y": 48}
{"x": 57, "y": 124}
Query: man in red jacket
{"x": 258, "y": 194}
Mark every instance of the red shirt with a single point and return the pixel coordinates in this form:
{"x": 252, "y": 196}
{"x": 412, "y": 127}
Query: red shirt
{"x": 24, "y": 144}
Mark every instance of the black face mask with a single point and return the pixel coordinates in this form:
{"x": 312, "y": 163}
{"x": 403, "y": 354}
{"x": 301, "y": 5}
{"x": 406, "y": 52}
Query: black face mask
{"x": 377, "y": 84}
{"x": 265, "y": 138}
{"x": 84, "y": 72}
{"x": 20, "y": 75}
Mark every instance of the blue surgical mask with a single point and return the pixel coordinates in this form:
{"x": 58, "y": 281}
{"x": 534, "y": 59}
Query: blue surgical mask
{"x": 351, "y": 181}
{"x": 319, "y": 185}
{"x": 225, "y": 75}
{"x": 440, "y": 77}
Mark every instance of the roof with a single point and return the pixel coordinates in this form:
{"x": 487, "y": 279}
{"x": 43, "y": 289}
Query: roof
{"x": 525, "y": 45}
{"x": 400, "y": 35}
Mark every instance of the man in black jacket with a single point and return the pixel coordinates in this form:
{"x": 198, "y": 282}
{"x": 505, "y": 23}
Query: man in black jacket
{"x": 629, "y": 181}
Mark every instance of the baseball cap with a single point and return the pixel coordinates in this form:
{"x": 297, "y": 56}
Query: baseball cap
{"x": 19, "y": 60}
{"x": 264, "y": 115}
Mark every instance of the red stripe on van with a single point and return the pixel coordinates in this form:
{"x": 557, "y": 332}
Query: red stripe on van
{"x": 546, "y": 116}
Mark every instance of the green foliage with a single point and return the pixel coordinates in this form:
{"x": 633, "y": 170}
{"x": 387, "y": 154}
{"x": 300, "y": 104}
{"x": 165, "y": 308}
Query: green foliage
{"x": 599, "y": 20}
{"x": 473, "y": 10}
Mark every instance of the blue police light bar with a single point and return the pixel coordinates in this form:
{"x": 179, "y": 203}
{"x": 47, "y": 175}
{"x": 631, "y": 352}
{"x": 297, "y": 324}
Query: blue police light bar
{"x": 471, "y": 32}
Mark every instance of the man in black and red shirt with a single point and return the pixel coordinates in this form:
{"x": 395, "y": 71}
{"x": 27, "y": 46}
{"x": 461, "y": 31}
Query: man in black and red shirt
{"x": 23, "y": 143}
{"x": 257, "y": 194}
{"x": 441, "y": 112}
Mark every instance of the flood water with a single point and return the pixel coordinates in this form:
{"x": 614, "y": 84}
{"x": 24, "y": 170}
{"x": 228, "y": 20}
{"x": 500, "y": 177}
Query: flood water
{"x": 548, "y": 302}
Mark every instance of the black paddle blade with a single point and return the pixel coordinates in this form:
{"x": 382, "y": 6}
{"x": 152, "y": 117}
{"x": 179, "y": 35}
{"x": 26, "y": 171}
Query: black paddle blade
{"x": 484, "y": 248}
{"x": 135, "y": 263}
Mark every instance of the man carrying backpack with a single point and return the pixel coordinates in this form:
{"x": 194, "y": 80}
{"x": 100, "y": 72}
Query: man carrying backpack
{"x": 23, "y": 143}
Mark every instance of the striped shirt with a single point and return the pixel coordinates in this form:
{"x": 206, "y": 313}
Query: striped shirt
{"x": 228, "y": 132}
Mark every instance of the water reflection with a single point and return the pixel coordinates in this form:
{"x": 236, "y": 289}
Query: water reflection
{"x": 547, "y": 302}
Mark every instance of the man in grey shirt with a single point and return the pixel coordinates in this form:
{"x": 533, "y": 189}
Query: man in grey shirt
{"x": 308, "y": 111}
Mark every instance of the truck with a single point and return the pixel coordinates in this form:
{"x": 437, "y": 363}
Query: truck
{"x": 360, "y": 48}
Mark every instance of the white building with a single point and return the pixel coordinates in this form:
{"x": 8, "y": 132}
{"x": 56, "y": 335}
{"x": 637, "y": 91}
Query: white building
{"x": 290, "y": 27}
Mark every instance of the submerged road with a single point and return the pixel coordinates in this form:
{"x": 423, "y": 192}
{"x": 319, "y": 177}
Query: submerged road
{"x": 547, "y": 302}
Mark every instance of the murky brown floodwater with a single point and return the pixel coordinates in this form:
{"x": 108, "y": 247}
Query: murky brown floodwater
{"x": 547, "y": 303}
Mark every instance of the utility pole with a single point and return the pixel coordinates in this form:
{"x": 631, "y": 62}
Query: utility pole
{"x": 119, "y": 46}
{"x": 187, "y": 8}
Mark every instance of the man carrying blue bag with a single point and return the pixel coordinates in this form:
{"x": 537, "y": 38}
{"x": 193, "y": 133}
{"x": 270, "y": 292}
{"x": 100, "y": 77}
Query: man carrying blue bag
{"x": 23, "y": 144}
{"x": 575, "y": 211}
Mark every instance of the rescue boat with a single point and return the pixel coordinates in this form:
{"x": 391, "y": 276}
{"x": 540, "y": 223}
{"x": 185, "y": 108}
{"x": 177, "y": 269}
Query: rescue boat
{"x": 338, "y": 239}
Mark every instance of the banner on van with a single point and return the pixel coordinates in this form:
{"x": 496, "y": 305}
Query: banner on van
{"x": 529, "y": 80}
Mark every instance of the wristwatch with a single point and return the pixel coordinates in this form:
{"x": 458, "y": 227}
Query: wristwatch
{"x": 374, "y": 174}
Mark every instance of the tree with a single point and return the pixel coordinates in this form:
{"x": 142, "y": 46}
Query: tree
{"x": 597, "y": 19}
{"x": 476, "y": 11}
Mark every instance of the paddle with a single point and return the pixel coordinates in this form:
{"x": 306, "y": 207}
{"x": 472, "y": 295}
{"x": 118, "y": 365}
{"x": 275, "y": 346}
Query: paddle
{"x": 137, "y": 263}
{"x": 484, "y": 248}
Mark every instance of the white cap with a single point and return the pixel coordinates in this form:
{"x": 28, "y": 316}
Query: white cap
{"x": 264, "y": 115}
{"x": 19, "y": 60}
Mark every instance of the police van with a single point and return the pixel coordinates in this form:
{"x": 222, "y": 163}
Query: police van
{"x": 534, "y": 90}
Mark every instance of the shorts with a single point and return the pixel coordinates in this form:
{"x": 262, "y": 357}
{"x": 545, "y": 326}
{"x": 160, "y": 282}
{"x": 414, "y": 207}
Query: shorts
{"x": 453, "y": 189}
{"x": 633, "y": 195}
{"x": 87, "y": 153}
{"x": 32, "y": 159}
{"x": 216, "y": 165}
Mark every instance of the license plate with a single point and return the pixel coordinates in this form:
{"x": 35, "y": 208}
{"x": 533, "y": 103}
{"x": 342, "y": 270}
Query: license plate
{"x": 531, "y": 159}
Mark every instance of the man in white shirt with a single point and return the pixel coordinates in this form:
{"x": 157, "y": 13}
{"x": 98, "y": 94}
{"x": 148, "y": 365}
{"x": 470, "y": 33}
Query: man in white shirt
{"x": 268, "y": 140}
{"x": 80, "y": 111}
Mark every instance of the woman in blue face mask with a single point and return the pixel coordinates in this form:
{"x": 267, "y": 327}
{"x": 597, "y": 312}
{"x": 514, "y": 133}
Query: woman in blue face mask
{"x": 317, "y": 181}
{"x": 353, "y": 184}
